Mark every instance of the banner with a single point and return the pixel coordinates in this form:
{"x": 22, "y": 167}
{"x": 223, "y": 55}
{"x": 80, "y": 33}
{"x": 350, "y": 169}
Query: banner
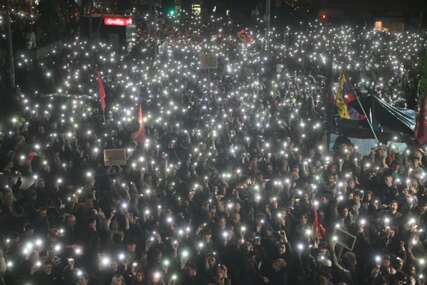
{"x": 116, "y": 156}
{"x": 345, "y": 239}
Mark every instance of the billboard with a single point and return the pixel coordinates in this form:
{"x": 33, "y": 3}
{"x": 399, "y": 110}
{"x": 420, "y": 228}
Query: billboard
{"x": 117, "y": 21}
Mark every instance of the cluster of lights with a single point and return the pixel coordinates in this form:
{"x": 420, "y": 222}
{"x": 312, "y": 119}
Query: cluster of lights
{"x": 164, "y": 82}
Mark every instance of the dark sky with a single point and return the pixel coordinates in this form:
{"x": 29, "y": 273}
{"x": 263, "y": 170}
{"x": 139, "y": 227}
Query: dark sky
{"x": 382, "y": 4}
{"x": 389, "y": 5}
{"x": 414, "y": 11}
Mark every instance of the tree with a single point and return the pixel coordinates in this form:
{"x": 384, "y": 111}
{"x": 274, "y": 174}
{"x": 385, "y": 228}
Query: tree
{"x": 50, "y": 23}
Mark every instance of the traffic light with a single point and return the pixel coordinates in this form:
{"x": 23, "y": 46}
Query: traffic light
{"x": 169, "y": 8}
{"x": 171, "y": 12}
{"x": 323, "y": 17}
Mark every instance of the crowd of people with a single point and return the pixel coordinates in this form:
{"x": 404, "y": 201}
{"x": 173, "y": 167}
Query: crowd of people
{"x": 232, "y": 183}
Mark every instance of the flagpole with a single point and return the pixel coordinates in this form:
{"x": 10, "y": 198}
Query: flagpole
{"x": 328, "y": 99}
{"x": 367, "y": 118}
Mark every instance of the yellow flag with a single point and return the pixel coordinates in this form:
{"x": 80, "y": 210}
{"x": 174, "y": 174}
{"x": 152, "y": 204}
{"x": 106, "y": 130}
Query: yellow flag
{"x": 339, "y": 100}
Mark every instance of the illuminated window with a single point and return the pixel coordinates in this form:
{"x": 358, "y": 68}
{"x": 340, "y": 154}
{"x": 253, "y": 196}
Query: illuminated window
{"x": 378, "y": 26}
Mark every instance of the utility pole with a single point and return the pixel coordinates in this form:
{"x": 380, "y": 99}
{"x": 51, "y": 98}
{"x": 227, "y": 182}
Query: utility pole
{"x": 327, "y": 95}
{"x": 10, "y": 42}
{"x": 268, "y": 23}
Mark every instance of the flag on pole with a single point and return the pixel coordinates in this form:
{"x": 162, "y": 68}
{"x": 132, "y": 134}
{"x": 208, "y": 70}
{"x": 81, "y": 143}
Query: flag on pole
{"x": 421, "y": 128}
{"x": 339, "y": 100}
{"x": 318, "y": 229}
{"x": 101, "y": 91}
{"x": 139, "y": 135}
{"x": 243, "y": 35}
{"x": 344, "y": 99}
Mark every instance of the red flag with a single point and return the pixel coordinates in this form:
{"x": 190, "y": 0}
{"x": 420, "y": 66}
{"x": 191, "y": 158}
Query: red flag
{"x": 318, "y": 228}
{"x": 32, "y": 155}
{"x": 101, "y": 91}
{"x": 421, "y": 129}
{"x": 139, "y": 135}
{"x": 244, "y": 36}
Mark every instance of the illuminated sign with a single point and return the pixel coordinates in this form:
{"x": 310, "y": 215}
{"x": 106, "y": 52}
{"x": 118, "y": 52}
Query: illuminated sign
{"x": 117, "y": 21}
{"x": 196, "y": 9}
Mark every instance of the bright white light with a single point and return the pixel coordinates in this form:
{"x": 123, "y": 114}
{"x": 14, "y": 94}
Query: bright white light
{"x": 121, "y": 256}
{"x": 57, "y": 248}
{"x": 185, "y": 253}
{"x": 105, "y": 261}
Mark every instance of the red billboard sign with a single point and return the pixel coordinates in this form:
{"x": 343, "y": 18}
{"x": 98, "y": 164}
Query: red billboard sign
{"x": 117, "y": 21}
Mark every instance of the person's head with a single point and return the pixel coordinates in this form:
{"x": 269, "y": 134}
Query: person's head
{"x": 221, "y": 271}
{"x": 40, "y": 184}
{"x": 388, "y": 180}
{"x": 386, "y": 261}
{"x": 416, "y": 162}
{"x": 279, "y": 264}
{"x": 131, "y": 246}
{"x": 351, "y": 184}
{"x": 114, "y": 266}
{"x": 356, "y": 197}
{"x": 139, "y": 276}
{"x": 344, "y": 212}
{"x": 395, "y": 166}
{"x": 83, "y": 280}
{"x": 237, "y": 207}
{"x": 390, "y": 232}
{"x": 92, "y": 223}
{"x": 118, "y": 280}
{"x": 236, "y": 218}
{"x": 43, "y": 212}
{"x": 394, "y": 206}
{"x": 190, "y": 270}
{"x": 398, "y": 263}
{"x": 211, "y": 260}
{"x": 324, "y": 199}
{"x": 7, "y": 197}
{"x": 295, "y": 171}
{"x": 206, "y": 234}
{"x": 413, "y": 186}
{"x": 71, "y": 220}
{"x": 333, "y": 169}
{"x": 369, "y": 196}
{"x": 413, "y": 271}
{"x": 212, "y": 212}
{"x": 222, "y": 222}
{"x": 304, "y": 219}
{"x": 381, "y": 152}
{"x": 332, "y": 179}
{"x": 48, "y": 267}
{"x": 205, "y": 206}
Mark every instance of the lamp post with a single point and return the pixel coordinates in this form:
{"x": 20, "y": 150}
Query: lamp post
{"x": 268, "y": 22}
